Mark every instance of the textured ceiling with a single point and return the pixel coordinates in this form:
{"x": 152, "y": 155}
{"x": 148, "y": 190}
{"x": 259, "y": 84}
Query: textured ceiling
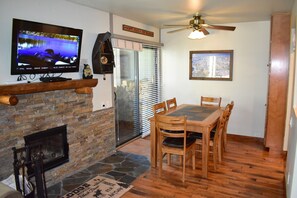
{"x": 160, "y": 12}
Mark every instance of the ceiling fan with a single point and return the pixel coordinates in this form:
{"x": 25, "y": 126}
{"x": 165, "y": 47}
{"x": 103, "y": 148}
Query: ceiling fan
{"x": 199, "y": 27}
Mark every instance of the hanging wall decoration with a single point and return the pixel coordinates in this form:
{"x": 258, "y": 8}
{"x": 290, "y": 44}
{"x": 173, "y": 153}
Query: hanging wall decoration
{"x": 211, "y": 65}
{"x": 102, "y": 55}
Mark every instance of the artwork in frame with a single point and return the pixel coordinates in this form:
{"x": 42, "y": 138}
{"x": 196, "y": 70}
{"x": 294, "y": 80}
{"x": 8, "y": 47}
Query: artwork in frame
{"x": 211, "y": 65}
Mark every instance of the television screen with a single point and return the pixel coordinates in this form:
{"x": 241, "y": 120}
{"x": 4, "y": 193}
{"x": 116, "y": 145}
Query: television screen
{"x": 43, "y": 48}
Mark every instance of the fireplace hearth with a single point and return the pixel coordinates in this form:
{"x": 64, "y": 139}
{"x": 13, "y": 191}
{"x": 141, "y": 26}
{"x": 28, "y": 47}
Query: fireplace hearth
{"x": 54, "y": 144}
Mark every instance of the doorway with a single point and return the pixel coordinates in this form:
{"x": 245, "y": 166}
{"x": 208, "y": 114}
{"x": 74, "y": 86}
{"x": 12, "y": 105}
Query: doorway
{"x": 136, "y": 89}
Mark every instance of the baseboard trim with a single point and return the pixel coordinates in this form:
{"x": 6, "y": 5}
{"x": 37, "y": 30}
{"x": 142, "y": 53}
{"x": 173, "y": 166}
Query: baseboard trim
{"x": 271, "y": 151}
{"x": 243, "y": 137}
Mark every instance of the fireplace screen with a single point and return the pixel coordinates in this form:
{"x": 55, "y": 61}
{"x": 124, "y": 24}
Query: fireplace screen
{"x": 54, "y": 145}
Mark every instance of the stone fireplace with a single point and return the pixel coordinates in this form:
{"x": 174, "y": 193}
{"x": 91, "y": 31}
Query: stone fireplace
{"x": 90, "y": 135}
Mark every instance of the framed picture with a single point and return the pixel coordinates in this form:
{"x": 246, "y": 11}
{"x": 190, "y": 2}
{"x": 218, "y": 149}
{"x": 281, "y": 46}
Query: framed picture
{"x": 211, "y": 65}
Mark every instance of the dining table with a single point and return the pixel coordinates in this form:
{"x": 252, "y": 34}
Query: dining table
{"x": 200, "y": 119}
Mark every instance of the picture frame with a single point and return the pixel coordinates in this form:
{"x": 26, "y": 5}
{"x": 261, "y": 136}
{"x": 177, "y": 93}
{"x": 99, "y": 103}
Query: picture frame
{"x": 211, "y": 65}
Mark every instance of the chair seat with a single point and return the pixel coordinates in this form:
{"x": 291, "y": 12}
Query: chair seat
{"x": 178, "y": 142}
{"x": 170, "y": 131}
{"x": 199, "y": 135}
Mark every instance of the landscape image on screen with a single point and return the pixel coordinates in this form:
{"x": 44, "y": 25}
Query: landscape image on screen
{"x": 40, "y": 50}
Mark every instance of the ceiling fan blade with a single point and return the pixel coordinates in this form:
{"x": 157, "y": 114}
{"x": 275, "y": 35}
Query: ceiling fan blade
{"x": 205, "y": 32}
{"x": 219, "y": 27}
{"x": 178, "y": 30}
{"x": 172, "y": 26}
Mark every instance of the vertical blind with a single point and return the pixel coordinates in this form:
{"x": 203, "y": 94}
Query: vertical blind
{"x": 149, "y": 85}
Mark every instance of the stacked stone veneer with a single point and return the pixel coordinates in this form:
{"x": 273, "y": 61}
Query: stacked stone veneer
{"x": 91, "y": 135}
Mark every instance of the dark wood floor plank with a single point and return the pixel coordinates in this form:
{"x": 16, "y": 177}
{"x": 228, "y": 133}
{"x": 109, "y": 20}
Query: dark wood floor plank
{"x": 248, "y": 170}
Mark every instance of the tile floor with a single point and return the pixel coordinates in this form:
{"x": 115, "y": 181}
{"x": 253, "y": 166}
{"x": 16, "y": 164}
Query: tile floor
{"x": 120, "y": 166}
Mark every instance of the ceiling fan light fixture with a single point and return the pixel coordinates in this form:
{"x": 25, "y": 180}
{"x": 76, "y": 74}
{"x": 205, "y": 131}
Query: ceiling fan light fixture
{"x": 196, "y": 34}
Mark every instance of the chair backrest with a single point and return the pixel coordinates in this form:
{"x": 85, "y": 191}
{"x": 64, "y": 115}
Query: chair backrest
{"x": 159, "y": 108}
{"x": 171, "y": 126}
{"x": 221, "y": 123}
{"x": 210, "y": 101}
{"x": 171, "y": 104}
{"x": 231, "y": 105}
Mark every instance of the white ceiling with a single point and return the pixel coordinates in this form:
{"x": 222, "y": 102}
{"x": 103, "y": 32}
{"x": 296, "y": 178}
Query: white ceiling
{"x": 160, "y": 12}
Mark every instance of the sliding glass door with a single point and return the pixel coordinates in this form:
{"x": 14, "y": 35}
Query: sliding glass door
{"x": 126, "y": 95}
{"x": 136, "y": 89}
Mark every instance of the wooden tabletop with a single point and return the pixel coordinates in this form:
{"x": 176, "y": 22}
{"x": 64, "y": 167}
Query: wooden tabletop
{"x": 193, "y": 112}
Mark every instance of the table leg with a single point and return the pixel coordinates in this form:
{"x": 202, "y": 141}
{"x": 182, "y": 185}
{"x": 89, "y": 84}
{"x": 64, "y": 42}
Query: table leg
{"x": 153, "y": 144}
{"x": 205, "y": 151}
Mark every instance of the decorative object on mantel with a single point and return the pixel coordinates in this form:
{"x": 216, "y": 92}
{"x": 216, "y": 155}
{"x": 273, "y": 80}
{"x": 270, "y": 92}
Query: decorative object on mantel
{"x": 100, "y": 187}
{"x": 8, "y": 92}
{"x": 102, "y": 55}
{"x": 137, "y": 30}
{"x": 211, "y": 65}
{"x": 87, "y": 72}
{"x": 9, "y": 100}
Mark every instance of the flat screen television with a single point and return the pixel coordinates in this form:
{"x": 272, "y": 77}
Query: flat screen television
{"x": 39, "y": 48}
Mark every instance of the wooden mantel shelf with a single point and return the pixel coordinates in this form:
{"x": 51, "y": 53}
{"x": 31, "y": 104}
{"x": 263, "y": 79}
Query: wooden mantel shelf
{"x": 8, "y": 92}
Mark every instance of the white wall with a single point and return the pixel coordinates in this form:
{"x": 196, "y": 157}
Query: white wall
{"x": 61, "y": 13}
{"x": 250, "y": 42}
{"x": 291, "y": 166}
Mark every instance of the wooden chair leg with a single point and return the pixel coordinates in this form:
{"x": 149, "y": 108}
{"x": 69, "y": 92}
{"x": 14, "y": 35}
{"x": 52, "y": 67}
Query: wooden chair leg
{"x": 168, "y": 159}
{"x": 193, "y": 157}
{"x": 160, "y": 162}
{"x": 224, "y": 140}
{"x": 222, "y": 149}
{"x": 215, "y": 156}
{"x": 219, "y": 149}
{"x": 184, "y": 167}
{"x": 180, "y": 159}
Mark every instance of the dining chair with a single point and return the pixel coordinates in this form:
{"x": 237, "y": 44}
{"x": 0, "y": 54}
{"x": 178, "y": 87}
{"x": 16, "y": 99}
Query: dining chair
{"x": 231, "y": 105}
{"x": 159, "y": 108}
{"x": 173, "y": 139}
{"x": 215, "y": 138}
{"x": 210, "y": 101}
{"x": 171, "y": 104}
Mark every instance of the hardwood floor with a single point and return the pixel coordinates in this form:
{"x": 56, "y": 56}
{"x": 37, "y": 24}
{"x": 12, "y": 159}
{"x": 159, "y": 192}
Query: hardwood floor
{"x": 247, "y": 170}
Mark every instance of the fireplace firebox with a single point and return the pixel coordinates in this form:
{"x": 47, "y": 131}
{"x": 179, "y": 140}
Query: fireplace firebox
{"x": 55, "y": 147}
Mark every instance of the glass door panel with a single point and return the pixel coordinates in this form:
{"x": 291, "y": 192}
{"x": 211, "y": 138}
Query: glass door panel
{"x": 126, "y": 95}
